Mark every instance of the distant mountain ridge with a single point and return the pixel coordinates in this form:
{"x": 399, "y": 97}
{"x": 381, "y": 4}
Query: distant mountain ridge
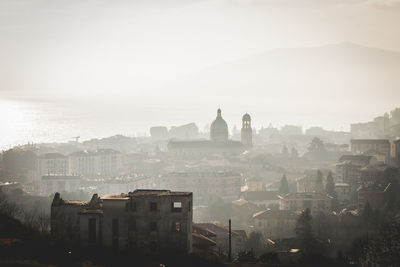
{"x": 344, "y": 67}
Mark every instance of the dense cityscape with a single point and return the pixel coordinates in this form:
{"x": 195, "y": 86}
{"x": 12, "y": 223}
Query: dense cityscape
{"x": 274, "y": 196}
{"x": 200, "y": 133}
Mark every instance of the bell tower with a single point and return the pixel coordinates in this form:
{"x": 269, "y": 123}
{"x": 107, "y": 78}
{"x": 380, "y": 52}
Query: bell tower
{"x": 247, "y": 132}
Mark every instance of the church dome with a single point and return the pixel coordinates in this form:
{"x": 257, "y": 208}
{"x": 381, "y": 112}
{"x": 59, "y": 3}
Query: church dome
{"x": 219, "y": 129}
{"x": 246, "y": 117}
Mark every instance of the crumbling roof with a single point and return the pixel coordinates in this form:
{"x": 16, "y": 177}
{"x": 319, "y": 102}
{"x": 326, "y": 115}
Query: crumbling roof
{"x": 116, "y": 197}
{"x": 139, "y": 192}
{"x": 75, "y": 203}
{"x": 145, "y": 192}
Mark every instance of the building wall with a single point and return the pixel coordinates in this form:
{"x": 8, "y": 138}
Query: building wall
{"x": 199, "y": 152}
{"x": 95, "y": 163}
{"x": 315, "y": 203}
{"x": 65, "y": 220}
{"x": 52, "y": 166}
{"x": 172, "y": 230}
{"x": 364, "y": 146}
{"x": 397, "y": 152}
{"x": 375, "y": 198}
{"x": 204, "y": 185}
{"x": 84, "y": 234}
{"x": 52, "y": 184}
{"x": 343, "y": 192}
{"x": 276, "y": 227}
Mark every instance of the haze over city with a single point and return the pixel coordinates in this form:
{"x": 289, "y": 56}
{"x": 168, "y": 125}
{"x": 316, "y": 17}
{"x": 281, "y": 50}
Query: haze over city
{"x": 144, "y": 63}
{"x": 218, "y": 133}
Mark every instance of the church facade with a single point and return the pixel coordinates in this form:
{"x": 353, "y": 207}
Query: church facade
{"x": 219, "y": 143}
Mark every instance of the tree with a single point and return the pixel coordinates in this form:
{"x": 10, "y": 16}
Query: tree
{"x": 285, "y": 152}
{"x": 8, "y": 208}
{"x": 17, "y": 162}
{"x": 316, "y": 145}
{"x": 319, "y": 185}
{"x": 284, "y": 186}
{"x": 246, "y": 256}
{"x": 255, "y": 243}
{"x": 330, "y": 189}
{"x": 270, "y": 257}
{"x": 330, "y": 185}
{"x": 367, "y": 215}
{"x": 220, "y": 211}
{"x": 307, "y": 242}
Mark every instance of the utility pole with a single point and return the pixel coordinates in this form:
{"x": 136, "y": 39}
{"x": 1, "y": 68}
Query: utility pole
{"x": 230, "y": 241}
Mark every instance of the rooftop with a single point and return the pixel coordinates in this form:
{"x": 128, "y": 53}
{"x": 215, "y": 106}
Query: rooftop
{"x": 341, "y": 185}
{"x": 145, "y": 192}
{"x": 103, "y": 151}
{"x": 305, "y": 195}
{"x": 202, "y": 174}
{"x": 52, "y": 156}
{"x": 201, "y": 240}
{"x": 355, "y": 159}
{"x": 205, "y": 144}
{"x": 278, "y": 214}
{"x": 216, "y": 228}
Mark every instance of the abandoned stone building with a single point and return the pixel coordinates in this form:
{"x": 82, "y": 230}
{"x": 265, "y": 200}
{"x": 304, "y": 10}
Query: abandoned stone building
{"x": 153, "y": 221}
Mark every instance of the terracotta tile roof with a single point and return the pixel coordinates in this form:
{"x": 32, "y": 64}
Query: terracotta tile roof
{"x": 282, "y": 214}
{"x": 201, "y": 240}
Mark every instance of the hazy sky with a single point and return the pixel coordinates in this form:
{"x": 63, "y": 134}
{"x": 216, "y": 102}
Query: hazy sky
{"x": 121, "y": 51}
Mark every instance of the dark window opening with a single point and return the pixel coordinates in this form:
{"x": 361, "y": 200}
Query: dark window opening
{"x": 92, "y": 230}
{"x": 153, "y": 246}
{"x": 153, "y": 226}
{"x": 132, "y": 224}
{"x": 115, "y": 233}
{"x": 306, "y": 204}
{"x": 177, "y": 226}
{"x": 153, "y": 206}
{"x": 133, "y": 206}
